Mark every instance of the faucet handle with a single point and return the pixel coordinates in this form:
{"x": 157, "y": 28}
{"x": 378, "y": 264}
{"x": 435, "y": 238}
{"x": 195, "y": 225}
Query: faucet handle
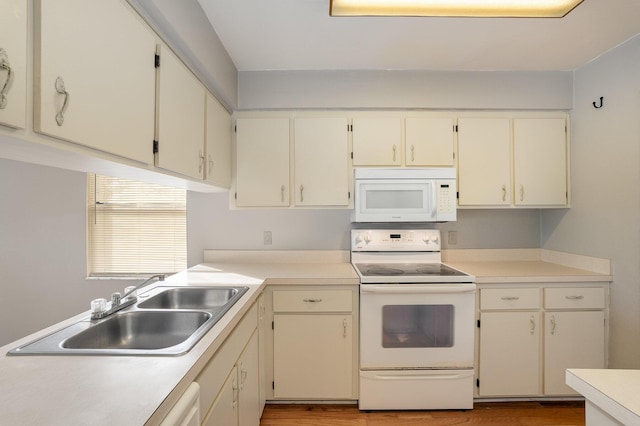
{"x": 115, "y": 299}
{"x": 98, "y": 306}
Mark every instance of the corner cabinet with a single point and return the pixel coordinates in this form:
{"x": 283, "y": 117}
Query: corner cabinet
{"x": 94, "y": 76}
{"x": 180, "y": 117}
{"x": 530, "y": 334}
{"x": 13, "y": 62}
{"x": 314, "y": 343}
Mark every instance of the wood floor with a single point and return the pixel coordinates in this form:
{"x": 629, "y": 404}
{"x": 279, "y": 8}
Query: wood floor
{"x": 499, "y": 414}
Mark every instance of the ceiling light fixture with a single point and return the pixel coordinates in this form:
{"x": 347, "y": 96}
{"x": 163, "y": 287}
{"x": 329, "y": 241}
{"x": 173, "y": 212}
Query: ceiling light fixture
{"x": 466, "y": 8}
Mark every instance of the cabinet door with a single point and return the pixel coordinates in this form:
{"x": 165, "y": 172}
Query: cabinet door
{"x": 313, "y": 356}
{"x": 262, "y": 367}
{"x": 94, "y": 76}
{"x": 572, "y": 340}
{"x": 262, "y": 156}
{"x": 321, "y": 162}
{"x": 429, "y": 141}
{"x": 484, "y": 162}
{"x": 218, "y": 144}
{"x": 224, "y": 411}
{"x": 249, "y": 381}
{"x": 13, "y": 62}
{"x": 540, "y": 161}
{"x": 181, "y": 115}
{"x": 509, "y": 363}
{"x": 377, "y": 141}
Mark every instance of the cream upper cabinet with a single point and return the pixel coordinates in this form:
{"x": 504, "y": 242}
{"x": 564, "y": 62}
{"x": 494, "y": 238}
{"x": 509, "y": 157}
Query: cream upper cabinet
{"x": 262, "y": 162}
{"x": 321, "y": 162}
{"x": 218, "y": 144}
{"x": 540, "y": 161}
{"x": 13, "y": 62}
{"x": 429, "y": 141}
{"x": 377, "y": 141}
{"x": 181, "y": 117}
{"x": 484, "y": 162}
{"x": 94, "y": 76}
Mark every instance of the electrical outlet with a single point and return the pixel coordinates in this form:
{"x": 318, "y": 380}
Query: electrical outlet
{"x": 267, "y": 238}
{"x": 452, "y": 238}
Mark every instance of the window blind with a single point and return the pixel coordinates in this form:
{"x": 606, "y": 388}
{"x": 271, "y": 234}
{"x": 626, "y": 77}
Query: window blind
{"x": 135, "y": 227}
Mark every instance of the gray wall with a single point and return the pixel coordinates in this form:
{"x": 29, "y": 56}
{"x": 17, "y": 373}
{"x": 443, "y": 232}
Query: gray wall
{"x": 604, "y": 220}
{"x": 405, "y": 89}
{"x": 42, "y": 249}
{"x": 212, "y": 225}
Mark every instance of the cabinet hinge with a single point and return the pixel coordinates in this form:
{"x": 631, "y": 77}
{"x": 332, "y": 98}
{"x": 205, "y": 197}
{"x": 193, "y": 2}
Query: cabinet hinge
{"x": 235, "y": 129}
{"x": 349, "y": 127}
{"x": 273, "y": 385}
{"x": 457, "y": 195}
{"x": 156, "y": 61}
{"x": 352, "y": 155}
{"x": 477, "y": 382}
{"x": 455, "y": 128}
{"x": 349, "y": 194}
{"x": 155, "y": 147}
{"x": 478, "y": 323}
{"x": 235, "y": 195}
{"x": 273, "y": 325}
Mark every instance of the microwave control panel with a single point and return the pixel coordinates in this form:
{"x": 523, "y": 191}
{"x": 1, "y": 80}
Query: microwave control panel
{"x": 446, "y": 199}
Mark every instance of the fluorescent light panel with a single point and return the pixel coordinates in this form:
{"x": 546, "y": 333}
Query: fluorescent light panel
{"x": 468, "y": 8}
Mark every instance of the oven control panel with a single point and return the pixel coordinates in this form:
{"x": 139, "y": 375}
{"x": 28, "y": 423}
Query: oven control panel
{"x": 395, "y": 240}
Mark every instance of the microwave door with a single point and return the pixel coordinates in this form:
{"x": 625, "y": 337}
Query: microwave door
{"x": 400, "y": 201}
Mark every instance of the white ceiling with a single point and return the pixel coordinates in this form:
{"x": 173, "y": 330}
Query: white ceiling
{"x": 300, "y": 35}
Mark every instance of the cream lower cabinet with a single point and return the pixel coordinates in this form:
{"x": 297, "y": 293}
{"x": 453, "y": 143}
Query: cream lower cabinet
{"x": 94, "y": 76}
{"x": 314, "y": 344}
{"x": 229, "y": 383}
{"x": 13, "y": 62}
{"x": 529, "y": 336}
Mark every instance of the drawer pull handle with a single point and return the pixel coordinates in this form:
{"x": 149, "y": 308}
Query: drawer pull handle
{"x": 510, "y": 298}
{"x": 574, "y": 297}
{"x": 312, "y": 300}
{"x": 60, "y": 89}
{"x": 553, "y": 324}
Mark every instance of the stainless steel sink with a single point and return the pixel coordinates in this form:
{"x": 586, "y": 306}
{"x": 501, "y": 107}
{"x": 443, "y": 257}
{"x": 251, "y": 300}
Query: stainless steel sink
{"x": 169, "y": 322}
{"x": 139, "y": 330}
{"x": 209, "y": 298}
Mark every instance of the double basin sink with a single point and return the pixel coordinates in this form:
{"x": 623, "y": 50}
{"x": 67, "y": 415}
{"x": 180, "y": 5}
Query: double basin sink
{"x": 164, "y": 321}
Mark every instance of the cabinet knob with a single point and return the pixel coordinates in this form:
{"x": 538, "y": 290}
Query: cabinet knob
{"x": 4, "y": 65}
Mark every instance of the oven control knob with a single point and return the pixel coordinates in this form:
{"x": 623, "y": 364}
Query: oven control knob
{"x": 367, "y": 238}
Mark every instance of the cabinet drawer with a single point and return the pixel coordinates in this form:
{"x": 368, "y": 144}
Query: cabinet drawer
{"x": 510, "y": 298}
{"x": 312, "y": 301}
{"x": 574, "y": 298}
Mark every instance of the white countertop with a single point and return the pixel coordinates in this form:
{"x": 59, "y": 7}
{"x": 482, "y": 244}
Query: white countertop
{"x": 616, "y": 392}
{"x": 133, "y": 390}
{"x": 128, "y": 390}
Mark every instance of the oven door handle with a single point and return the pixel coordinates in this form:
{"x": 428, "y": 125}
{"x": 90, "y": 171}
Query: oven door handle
{"x": 418, "y": 289}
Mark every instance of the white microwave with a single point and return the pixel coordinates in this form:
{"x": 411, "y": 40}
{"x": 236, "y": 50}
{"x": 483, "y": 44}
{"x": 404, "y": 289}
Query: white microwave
{"x": 405, "y": 194}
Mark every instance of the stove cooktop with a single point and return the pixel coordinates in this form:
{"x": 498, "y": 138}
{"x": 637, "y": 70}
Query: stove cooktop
{"x": 410, "y": 272}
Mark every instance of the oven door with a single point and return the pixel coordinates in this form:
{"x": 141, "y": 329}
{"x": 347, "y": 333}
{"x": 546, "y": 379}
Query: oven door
{"x": 417, "y": 326}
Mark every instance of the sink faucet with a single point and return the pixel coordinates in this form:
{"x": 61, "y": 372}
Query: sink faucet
{"x": 118, "y": 302}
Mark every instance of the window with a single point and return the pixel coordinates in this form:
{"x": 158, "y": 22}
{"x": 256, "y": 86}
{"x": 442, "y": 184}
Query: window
{"x": 135, "y": 227}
